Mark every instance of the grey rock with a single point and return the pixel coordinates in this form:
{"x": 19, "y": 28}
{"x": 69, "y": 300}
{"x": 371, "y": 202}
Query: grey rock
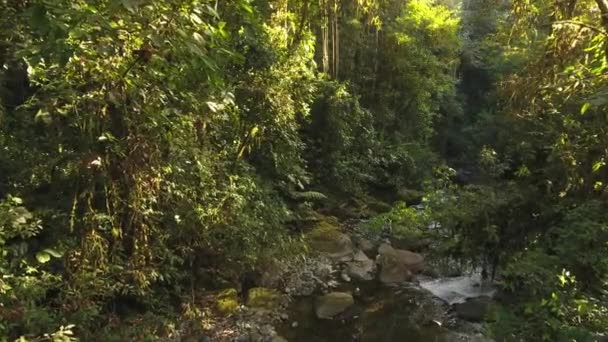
{"x": 361, "y": 268}
{"x": 332, "y": 304}
{"x": 335, "y": 245}
{"x": 397, "y": 265}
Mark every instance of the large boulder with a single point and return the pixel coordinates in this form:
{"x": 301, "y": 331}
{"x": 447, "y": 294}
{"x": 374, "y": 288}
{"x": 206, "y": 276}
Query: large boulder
{"x": 327, "y": 239}
{"x": 333, "y": 304}
{"x": 397, "y": 265}
{"x": 361, "y": 268}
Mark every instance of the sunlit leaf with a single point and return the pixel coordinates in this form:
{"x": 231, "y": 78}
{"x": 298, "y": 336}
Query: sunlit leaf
{"x": 598, "y": 165}
{"x": 43, "y": 257}
{"x": 52, "y": 252}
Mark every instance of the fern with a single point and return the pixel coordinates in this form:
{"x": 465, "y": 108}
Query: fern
{"x": 307, "y": 195}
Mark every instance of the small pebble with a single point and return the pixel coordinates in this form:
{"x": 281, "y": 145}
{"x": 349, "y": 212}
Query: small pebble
{"x": 294, "y": 324}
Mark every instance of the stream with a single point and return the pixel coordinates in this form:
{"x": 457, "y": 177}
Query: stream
{"x": 420, "y": 311}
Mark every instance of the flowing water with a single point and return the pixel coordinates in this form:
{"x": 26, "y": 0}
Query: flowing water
{"x": 413, "y": 313}
{"x": 458, "y": 289}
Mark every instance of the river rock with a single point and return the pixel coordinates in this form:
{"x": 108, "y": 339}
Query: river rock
{"x": 332, "y": 304}
{"x": 474, "y": 309}
{"x": 330, "y": 242}
{"x": 361, "y": 268}
{"x": 397, "y": 265}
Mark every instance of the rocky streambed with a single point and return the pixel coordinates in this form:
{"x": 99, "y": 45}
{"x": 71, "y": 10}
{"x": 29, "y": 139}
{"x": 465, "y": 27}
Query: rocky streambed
{"x": 353, "y": 288}
{"x": 384, "y": 293}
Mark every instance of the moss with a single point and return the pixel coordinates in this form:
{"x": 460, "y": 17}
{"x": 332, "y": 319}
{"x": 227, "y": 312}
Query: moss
{"x": 324, "y": 237}
{"x": 260, "y": 297}
{"x": 228, "y": 301}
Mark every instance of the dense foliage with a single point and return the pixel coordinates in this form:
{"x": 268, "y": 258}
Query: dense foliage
{"x": 150, "y": 149}
{"x": 153, "y": 147}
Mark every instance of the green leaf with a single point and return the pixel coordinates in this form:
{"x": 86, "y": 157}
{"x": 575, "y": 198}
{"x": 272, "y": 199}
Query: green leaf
{"x": 585, "y": 107}
{"x": 598, "y": 165}
{"x": 43, "y": 117}
{"x": 43, "y": 257}
{"x": 247, "y": 7}
{"x": 198, "y": 38}
{"x": 196, "y": 19}
{"x": 52, "y": 252}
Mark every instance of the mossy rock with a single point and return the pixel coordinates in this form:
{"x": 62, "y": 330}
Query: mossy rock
{"x": 327, "y": 239}
{"x": 322, "y": 230}
{"x": 263, "y": 298}
{"x": 227, "y": 301}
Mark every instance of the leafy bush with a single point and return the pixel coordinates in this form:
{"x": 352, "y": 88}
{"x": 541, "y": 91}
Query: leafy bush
{"x": 26, "y": 278}
{"x": 561, "y": 281}
{"x": 341, "y": 139}
{"x": 401, "y": 221}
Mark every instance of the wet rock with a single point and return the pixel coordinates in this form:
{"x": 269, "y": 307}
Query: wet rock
{"x": 295, "y": 324}
{"x": 361, "y": 268}
{"x": 330, "y": 242}
{"x": 397, "y": 265}
{"x": 263, "y": 298}
{"x": 474, "y": 309}
{"x": 332, "y": 304}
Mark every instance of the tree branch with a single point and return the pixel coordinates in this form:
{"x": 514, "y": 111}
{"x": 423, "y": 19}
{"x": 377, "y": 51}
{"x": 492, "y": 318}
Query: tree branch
{"x": 582, "y": 24}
